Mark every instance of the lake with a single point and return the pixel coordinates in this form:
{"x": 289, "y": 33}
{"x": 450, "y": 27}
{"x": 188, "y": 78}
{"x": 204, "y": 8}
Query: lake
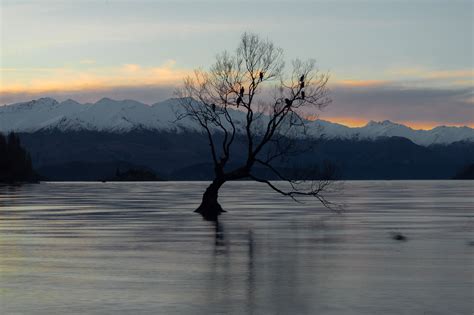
{"x": 137, "y": 248}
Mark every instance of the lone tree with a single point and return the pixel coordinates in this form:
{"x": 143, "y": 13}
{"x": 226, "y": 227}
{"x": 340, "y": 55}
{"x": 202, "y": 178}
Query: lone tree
{"x": 249, "y": 97}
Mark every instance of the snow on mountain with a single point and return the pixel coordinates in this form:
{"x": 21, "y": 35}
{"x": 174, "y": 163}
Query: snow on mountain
{"x": 438, "y": 135}
{"x": 36, "y": 114}
{"x": 126, "y": 115}
{"x": 104, "y": 115}
{"x": 329, "y": 130}
{"x": 110, "y": 115}
{"x": 374, "y": 130}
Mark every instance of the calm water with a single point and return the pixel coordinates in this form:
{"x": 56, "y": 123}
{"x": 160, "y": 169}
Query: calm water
{"x": 137, "y": 248}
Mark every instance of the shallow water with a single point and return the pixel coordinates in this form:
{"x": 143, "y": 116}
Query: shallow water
{"x": 137, "y": 248}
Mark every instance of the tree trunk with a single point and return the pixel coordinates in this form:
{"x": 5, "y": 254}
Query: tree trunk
{"x": 210, "y": 208}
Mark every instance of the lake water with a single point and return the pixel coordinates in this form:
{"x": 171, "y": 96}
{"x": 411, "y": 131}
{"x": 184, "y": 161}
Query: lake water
{"x": 137, "y": 248}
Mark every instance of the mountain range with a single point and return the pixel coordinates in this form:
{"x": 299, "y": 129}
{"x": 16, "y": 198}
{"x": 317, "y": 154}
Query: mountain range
{"x": 72, "y": 141}
{"x": 124, "y": 116}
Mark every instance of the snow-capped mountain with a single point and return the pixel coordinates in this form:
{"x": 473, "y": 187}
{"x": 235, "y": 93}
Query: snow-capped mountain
{"x": 374, "y": 130}
{"x": 126, "y": 115}
{"x": 104, "y": 115}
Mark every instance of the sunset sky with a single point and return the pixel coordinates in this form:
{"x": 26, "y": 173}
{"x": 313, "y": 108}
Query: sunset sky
{"x": 409, "y": 61}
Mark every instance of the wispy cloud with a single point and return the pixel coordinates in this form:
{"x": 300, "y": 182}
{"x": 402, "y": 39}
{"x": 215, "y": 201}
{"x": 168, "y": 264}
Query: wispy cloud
{"x": 360, "y": 83}
{"x": 87, "y": 61}
{"x": 424, "y": 73}
{"x": 45, "y": 80}
{"x": 432, "y": 77}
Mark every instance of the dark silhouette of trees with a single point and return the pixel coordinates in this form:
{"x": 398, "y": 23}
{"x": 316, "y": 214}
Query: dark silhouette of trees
{"x": 466, "y": 173}
{"x": 248, "y": 96}
{"x": 15, "y": 162}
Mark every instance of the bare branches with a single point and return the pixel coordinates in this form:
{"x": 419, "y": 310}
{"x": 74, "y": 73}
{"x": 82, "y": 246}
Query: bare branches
{"x": 314, "y": 189}
{"x": 234, "y": 99}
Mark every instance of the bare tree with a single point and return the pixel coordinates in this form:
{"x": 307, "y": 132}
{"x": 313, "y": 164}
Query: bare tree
{"x": 248, "y": 96}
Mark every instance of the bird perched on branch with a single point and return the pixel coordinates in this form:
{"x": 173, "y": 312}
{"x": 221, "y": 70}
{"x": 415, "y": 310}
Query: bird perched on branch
{"x": 213, "y": 107}
{"x": 242, "y": 90}
{"x": 261, "y": 76}
{"x": 302, "y": 81}
{"x": 239, "y": 100}
{"x": 302, "y": 95}
{"x": 288, "y": 102}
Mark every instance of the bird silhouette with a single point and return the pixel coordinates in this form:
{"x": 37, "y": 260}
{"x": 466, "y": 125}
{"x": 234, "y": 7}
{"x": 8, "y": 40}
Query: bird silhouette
{"x": 213, "y": 107}
{"x": 242, "y": 90}
{"x": 288, "y": 102}
{"x": 239, "y": 100}
{"x": 302, "y": 95}
{"x": 302, "y": 81}
{"x": 261, "y": 76}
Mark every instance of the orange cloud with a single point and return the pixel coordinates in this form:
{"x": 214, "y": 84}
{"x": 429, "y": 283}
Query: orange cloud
{"x": 347, "y": 121}
{"x": 75, "y": 79}
{"x": 361, "y": 83}
{"x": 131, "y": 67}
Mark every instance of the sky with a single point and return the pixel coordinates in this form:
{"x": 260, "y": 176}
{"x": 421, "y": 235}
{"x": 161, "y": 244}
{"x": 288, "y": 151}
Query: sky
{"x": 409, "y": 61}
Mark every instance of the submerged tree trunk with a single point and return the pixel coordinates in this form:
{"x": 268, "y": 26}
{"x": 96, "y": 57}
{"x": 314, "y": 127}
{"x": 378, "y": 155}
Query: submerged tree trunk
{"x": 210, "y": 208}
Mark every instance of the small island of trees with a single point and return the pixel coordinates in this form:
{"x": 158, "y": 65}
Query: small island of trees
{"x": 15, "y": 161}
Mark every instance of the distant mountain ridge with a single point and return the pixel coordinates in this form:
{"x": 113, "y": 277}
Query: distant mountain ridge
{"x": 123, "y": 116}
